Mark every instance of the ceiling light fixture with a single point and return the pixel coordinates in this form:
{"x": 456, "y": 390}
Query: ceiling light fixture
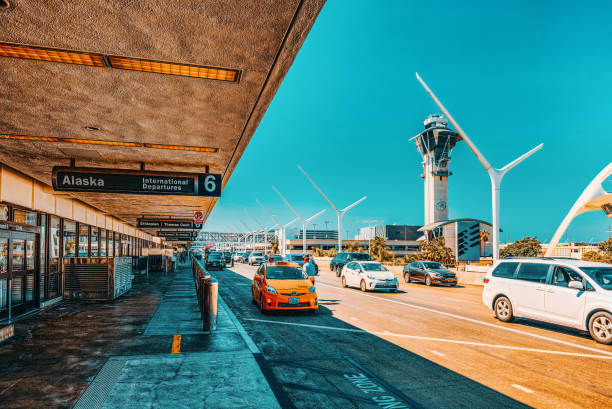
{"x": 181, "y": 148}
{"x": 48, "y": 54}
{"x": 30, "y": 138}
{"x": 118, "y": 62}
{"x": 109, "y": 143}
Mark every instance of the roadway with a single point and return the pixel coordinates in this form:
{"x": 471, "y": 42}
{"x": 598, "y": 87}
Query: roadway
{"x": 420, "y": 347}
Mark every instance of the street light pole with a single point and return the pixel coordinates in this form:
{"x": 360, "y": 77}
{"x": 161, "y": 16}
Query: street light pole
{"x": 339, "y": 212}
{"x": 496, "y": 175}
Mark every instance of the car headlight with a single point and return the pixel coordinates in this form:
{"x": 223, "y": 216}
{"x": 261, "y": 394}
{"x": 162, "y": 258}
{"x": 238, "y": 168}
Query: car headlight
{"x": 370, "y": 276}
{"x": 270, "y": 290}
{"x": 312, "y": 289}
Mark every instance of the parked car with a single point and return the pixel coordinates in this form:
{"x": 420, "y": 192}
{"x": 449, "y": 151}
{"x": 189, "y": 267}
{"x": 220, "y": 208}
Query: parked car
{"x": 566, "y": 292}
{"x": 256, "y": 258}
{"x": 242, "y": 257}
{"x": 283, "y": 286}
{"x": 228, "y": 257}
{"x": 275, "y": 257}
{"x": 429, "y": 272}
{"x": 299, "y": 259}
{"x": 215, "y": 261}
{"x": 368, "y": 275}
{"x": 337, "y": 263}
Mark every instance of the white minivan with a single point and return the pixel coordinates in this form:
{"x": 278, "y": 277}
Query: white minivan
{"x": 567, "y": 292}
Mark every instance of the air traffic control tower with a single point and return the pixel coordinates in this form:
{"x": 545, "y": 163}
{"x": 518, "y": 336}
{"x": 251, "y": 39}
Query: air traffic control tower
{"x": 435, "y": 144}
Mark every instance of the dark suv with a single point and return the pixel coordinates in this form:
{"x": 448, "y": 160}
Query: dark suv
{"x": 341, "y": 259}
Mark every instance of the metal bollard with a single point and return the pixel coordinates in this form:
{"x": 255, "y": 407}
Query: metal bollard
{"x": 209, "y": 288}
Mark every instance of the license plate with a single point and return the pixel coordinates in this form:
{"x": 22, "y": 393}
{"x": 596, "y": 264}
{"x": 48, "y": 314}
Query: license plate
{"x": 294, "y": 300}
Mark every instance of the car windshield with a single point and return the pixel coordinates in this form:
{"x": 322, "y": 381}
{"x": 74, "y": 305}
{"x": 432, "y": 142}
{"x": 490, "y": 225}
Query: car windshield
{"x": 602, "y": 275}
{"x": 284, "y": 273}
{"x": 214, "y": 257}
{"x": 360, "y": 256}
{"x": 256, "y": 254}
{"x": 374, "y": 267}
{"x": 433, "y": 265}
{"x": 296, "y": 257}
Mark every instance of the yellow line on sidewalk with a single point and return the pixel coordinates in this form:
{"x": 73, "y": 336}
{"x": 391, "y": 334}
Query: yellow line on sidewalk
{"x": 176, "y": 344}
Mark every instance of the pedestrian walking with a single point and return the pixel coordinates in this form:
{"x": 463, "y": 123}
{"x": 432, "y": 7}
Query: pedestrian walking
{"x": 309, "y": 267}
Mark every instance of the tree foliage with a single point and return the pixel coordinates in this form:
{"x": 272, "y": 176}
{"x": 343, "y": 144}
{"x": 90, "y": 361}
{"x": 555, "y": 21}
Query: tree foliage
{"x": 436, "y": 250}
{"x": 603, "y": 255}
{"x": 353, "y": 247}
{"x": 380, "y": 251}
{"x": 274, "y": 247}
{"x": 526, "y": 247}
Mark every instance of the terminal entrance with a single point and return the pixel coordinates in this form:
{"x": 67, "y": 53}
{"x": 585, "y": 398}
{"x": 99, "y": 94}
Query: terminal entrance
{"x": 18, "y": 278}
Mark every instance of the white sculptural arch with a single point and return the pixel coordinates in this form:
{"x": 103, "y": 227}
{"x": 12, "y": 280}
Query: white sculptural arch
{"x": 594, "y": 197}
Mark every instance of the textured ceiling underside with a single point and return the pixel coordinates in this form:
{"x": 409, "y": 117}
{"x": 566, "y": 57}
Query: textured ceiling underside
{"x": 260, "y": 38}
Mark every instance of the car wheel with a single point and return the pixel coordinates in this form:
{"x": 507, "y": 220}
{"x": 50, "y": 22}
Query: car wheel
{"x": 407, "y": 277}
{"x": 363, "y": 287}
{"x": 428, "y": 280}
{"x": 261, "y": 307}
{"x": 344, "y": 281}
{"x": 600, "y": 327}
{"x": 338, "y": 271}
{"x": 503, "y": 309}
{"x": 312, "y": 310}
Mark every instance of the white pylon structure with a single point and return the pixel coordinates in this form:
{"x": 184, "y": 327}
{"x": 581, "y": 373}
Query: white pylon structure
{"x": 594, "y": 197}
{"x": 495, "y": 174}
{"x": 339, "y": 212}
{"x": 263, "y": 229}
{"x": 252, "y": 233}
{"x": 283, "y": 228}
{"x": 304, "y": 221}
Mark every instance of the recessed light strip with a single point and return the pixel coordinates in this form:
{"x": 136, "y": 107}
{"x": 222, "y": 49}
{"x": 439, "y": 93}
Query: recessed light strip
{"x": 124, "y": 63}
{"x": 109, "y": 143}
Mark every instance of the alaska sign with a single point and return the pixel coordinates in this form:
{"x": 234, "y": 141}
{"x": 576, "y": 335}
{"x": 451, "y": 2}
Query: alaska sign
{"x": 137, "y": 182}
{"x": 184, "y": 224}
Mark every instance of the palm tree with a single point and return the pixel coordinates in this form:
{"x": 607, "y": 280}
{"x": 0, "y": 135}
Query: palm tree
{"x": 484, "y": 238}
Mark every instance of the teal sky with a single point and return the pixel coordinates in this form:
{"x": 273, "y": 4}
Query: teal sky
{"x": 513, "y": 74}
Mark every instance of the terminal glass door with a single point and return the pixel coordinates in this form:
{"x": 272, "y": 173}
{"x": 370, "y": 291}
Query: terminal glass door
{"x": 18, "y": 276}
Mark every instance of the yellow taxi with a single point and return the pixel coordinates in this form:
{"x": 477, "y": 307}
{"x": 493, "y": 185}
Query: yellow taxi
{"x": 284, "y": 286}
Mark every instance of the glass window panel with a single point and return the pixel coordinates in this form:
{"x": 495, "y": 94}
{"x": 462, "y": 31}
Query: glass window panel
{"x": 42, "y": 259}
{"x": 3, "y": 273}
{"x": 505, "y": 270}
{"x": 69, "y": 238}
{"x": 83, "y": 240}
{"x": 94, "y": 241}
{"x": 117, "y": 240}
{"x": 534, "y": 272}
{"x": 111, "y": 244}
{"x": 30, "y": 246}
{"x": 25, "y": 217}
{"x": 54, "y": 237}
{"x": 18, "y": 255}
{"x": 103, "y": 243}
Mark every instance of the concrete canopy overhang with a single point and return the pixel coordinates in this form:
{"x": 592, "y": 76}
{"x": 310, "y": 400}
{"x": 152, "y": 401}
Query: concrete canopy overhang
{"x": 48, "y": 99}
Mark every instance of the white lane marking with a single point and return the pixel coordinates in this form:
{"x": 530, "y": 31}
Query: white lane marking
{"x": 247, "y": 339}
{"x": 461, "y": 317}
{"x": 450, "y": 341}
{"x": 433, "y": 351}
{"x": 522, "y": 388}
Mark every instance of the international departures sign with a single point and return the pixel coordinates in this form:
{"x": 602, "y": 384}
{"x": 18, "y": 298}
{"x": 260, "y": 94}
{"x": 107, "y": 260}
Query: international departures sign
{"x": 138, "y": 182}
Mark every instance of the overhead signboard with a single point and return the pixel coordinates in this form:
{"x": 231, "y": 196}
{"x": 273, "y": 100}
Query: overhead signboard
{"x": 181, "y": 224}
{"x": 139, "y": 182}
{"x": 183, "y": 235}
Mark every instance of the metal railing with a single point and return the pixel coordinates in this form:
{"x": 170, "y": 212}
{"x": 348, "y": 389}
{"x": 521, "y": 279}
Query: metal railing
{"x": 207, "y": 289}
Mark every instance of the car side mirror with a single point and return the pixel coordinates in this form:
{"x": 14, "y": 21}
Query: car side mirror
{"x": 576, "y": 285}
{"x": 312, "y": 279}
{"x": 257, "y": 278}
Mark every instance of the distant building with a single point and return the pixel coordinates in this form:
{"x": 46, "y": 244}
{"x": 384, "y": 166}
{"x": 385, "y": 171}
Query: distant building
{"x": 570, "y": 250}
{"x": 462, "y": 236}
{"x": 390, "y": 232}
{"x": 316, "y": 234}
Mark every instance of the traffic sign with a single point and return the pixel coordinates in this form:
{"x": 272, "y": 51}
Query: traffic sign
{"x": 198, "y": 217}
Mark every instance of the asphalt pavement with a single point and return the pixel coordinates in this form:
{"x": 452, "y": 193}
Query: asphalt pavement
{"x": 430, "y": 347}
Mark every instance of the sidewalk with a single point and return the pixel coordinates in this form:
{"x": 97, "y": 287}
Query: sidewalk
{"x": 209, "y": 371}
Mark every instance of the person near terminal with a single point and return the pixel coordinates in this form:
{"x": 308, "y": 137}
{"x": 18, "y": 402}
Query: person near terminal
{"x": 309, "y": 267}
